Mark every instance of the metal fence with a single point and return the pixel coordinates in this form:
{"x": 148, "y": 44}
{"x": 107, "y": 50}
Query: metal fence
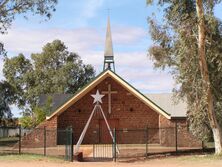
{"x": 144, "y": 142}
{"x": 131, "y": 143}
{"x": 47, "y": 142}
{"x": 127, "y": 143}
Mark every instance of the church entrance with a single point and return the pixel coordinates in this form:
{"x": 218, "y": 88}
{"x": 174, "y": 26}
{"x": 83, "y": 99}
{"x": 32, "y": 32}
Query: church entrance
{"x": 104, "y": 135}
{"x": 104, "y": 148}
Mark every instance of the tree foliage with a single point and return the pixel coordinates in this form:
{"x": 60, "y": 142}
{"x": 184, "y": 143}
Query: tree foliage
{"x": 39, "y": 115}
{"x": 176, "y": 48}
{"x": 6, "y": 96}
{"x": 10, "y": 8}
{"x": 9, "y": 122}
{"x": 54, "y": 70}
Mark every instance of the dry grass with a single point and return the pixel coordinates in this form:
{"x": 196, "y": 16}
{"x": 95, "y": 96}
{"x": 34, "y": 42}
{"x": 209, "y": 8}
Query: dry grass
{"x": 181, "y": 161}
{"x": 29, "y": 157}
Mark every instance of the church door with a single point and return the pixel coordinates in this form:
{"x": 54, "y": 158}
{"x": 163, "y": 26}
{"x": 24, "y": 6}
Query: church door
{"x": 105, "y": 137}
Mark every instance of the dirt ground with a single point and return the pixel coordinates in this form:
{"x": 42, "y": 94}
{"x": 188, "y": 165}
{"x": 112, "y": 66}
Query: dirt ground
{"x": 183, "y": 161}
{"x": 126, "y": 150}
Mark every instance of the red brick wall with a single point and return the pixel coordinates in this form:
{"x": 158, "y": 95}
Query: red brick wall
{"x": 35, "y": 138}
{"x": 49, "y": 124}
{"x": 168, "y": 131}
{"x": 127, "y": 110}
{"x": 130, "y": 111}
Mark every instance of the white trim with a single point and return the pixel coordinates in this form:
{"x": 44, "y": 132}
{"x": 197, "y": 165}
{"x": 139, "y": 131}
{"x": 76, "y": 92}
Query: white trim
{"x": 85, "y": 90}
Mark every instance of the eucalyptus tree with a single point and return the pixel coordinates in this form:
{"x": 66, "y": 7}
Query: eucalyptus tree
{"x": 9, "y": 9}
{"x": 189, "y": 43}
{"x": 54, "y": 70}
{"x": 6, "y": 97}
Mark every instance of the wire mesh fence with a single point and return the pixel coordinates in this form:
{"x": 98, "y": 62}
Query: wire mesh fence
{"x": 42, "y": 141}
{"x": 131, "y": 143}
{"x": 9, "y": 136}
{"x": 127, "y": 143}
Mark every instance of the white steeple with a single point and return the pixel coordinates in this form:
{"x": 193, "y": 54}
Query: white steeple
{"x": 108, "y": 53}
{"x": 109, "y": 44}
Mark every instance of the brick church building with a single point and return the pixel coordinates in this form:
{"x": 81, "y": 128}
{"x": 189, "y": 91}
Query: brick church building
{"x": 124, "y": 106}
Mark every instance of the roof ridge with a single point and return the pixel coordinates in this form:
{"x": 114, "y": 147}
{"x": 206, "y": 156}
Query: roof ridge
{"x": 81, "y": 92}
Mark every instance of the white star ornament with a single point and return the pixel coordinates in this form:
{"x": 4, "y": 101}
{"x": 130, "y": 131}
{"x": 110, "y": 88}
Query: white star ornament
{"x": 97, "y": 97}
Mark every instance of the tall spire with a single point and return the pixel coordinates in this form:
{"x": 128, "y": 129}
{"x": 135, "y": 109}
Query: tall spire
{"x": 109, "y": 44}
{"x": 108, "y": 54}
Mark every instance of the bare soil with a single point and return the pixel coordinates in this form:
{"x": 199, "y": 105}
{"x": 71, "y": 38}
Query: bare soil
{"x": 182, "y": 161}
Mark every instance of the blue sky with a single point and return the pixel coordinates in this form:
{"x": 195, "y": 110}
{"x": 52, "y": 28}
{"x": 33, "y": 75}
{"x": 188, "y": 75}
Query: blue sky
{"x": 81, "y": 25}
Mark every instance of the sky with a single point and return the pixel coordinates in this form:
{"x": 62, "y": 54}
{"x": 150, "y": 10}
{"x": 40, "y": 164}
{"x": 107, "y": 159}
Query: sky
{"x": 81, "y": 25}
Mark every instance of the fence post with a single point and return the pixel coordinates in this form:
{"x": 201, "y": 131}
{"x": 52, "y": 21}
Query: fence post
{"x": 114, "y": 144}
{"x": 94, "y": 150}
{"x": 20, "y": 138}
{"x": 44, "y": 145}
{"x": 203, "y": 147}
{"x": 66, "y": 143}
{"x": 71, "y": 144}
{"x": 176, "y": 136}
{"x": 147, "y": 141}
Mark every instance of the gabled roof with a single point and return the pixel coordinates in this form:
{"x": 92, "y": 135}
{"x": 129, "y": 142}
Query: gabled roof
{"x": 58, "y": 100}
{"x": 108, "y": 73}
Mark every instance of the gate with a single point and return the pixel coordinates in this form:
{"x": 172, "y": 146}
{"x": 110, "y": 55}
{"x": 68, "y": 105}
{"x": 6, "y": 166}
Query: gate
{"x": 103, "y": 151}
{"x": 69, "y": 145}
{"x": 104, "y": 148}
{"x": 65, "y": 137}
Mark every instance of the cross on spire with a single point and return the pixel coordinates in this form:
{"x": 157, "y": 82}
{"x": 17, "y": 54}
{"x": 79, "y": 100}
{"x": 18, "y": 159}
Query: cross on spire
{"x": 108, "y": 10}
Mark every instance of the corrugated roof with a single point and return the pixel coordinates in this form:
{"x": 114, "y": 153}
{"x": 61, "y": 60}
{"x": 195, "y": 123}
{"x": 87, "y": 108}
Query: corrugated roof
{"x": 166, "y": 102}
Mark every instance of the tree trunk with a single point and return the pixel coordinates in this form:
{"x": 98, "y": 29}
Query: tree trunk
{"x": 216, "y": 129}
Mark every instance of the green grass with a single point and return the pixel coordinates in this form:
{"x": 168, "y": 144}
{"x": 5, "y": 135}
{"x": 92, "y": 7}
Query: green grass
{"x": 29, "y": 157}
